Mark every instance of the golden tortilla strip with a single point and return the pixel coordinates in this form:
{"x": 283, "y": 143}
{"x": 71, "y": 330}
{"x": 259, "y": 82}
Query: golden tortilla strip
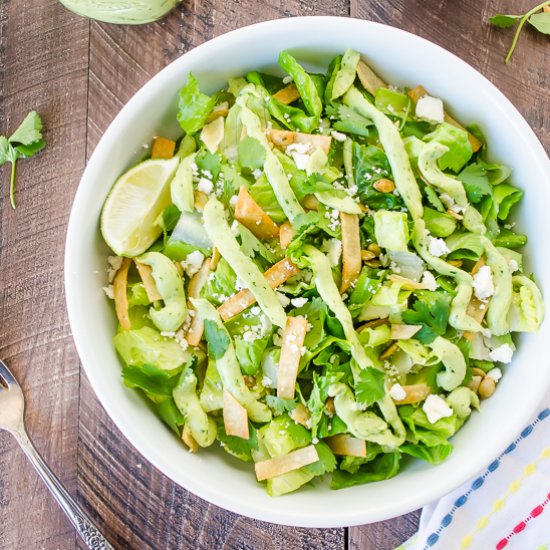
{"x": 291, "y": 352}
{"x": 279, "y": 465}
{"x": 253, "y": 217}
{"x": 287, "y": 95}
{"x": 276, "y": 275}
{"x": 235, "y": 417}
{"x": 120, "y": 285}
{"x": 347, "y": 445}
{"x": 163, "y": 148}
{"x": 351, "y": 250}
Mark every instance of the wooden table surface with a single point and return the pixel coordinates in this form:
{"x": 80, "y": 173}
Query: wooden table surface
{"x": 77, "y": 74}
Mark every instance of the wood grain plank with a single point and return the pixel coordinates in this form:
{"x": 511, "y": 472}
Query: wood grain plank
{"x": 43, "y": 66}
{"x": 140, "y": 507}
{"x": 526, "y": 81}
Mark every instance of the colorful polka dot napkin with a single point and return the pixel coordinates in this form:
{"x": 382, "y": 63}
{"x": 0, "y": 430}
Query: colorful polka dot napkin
{"x": 505, "y": 506}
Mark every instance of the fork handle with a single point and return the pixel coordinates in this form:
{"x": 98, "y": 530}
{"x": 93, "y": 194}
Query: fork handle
{"x": 84, "y": 526}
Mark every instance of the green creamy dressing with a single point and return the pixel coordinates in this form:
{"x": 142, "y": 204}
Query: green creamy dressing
{"x": 124, "y": 12}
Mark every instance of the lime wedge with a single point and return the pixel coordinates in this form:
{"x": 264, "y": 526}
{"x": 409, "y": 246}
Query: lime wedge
{"x": 136, "y": 200}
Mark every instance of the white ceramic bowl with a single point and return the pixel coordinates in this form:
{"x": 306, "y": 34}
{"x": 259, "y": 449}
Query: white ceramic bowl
{"x": 403, "y": 59}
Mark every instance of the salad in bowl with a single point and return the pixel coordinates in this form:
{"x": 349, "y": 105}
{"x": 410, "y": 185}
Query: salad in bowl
{"x": 320, "y": 275}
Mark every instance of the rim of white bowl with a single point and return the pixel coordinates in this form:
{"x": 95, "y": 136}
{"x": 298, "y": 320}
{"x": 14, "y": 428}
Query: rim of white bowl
{"x": 78, "y": 320}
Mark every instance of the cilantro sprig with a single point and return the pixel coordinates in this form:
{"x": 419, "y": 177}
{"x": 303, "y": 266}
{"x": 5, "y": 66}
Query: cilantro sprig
{"x": 25, "y": 142}
{"x": 538, "y": 19}
{"x": 433, "y": 318}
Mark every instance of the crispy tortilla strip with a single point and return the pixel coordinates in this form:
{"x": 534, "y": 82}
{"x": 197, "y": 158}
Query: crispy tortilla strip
{"x": 146, "y": 274}
{"x": 200, "y": 199}
{"x": 286, "y": 234}
{"x": 415, "y": 394}
{"x": 287, "y": 95}
{"x": 407, "y": 284}
{"x": 291, "y": 352}
{"x": 283, "y": 138}
{"x": 120, "y": 284}
{"x": 189, "y": 440}
{"x": 368, "y": 78}
{"x": 279, "y": 465}
{"x": 253, "y": 217}
{"x": 404, "y": 332}
{"x": 235, "y": 417}
{"x": 416, "y": 93}
{"x": 163, "y": 148}
{"x": 301, "y": 415}
{"x": 276, "y": 275}
{"x": 219, "y": 110}
{"x": 351, "y": 250}
{"x": 476, "y": 310}
{"x": 346, "y": 445}
{"x": 196, "y": 329}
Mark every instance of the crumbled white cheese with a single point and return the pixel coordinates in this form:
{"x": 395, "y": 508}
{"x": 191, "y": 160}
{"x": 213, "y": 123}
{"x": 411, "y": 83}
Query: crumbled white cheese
{"x": 287, "y": 79}
{"x": 298, "y": 302}
{"x": 234, "y": 228}
{"x": 397, "y": 393}
{"x": 438, "y": 247}
{"x": 109, "y": 292}
{"x": 250, "y": 335}
{"x": 193, "y": 262}
{"x": 284, "y": 300}
{"x": 338, "y": 136}
{"x": 436, "y": 408}
{"x": 205, "y": 185}
{"x": 233, "y": 201}
{"x": 333, "y": 249}
{"x": 513, "y": 265}
{"x": 299, "y": 153}
{"x": 257, "y": 173}
{"x": 266, "y": 381}
{"x": 255, "y": 310}
{"x": 428, "y": 280}
{"x": 115, "y": 262}
{"x": 483, "y": 283}
{"x": 430, "y": 108}
{"x": 495, "y": 374}
{"x": 502, "y": 354}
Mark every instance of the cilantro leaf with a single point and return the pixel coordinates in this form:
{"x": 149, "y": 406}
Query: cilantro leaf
{"x": 251, "y": 245}
{"x": 345, "y": 119}
{"x": 251, "y": 153}
{"x": 4, "y": 150}
{"x": 476, "y": 183}
{"x": 541, "y": 22}
{"x": 370, "y": 386}
{"x": 433, "y": 318}
{"x": 168, "y": 220}
{"x": 237, "y": 446}
{"x": 25, "y": 142}
{"x": 29, "y": 131}
{"x": 217, "y": 338}
{"x": 279, "y": 405}
{"x": 503, "y": 21}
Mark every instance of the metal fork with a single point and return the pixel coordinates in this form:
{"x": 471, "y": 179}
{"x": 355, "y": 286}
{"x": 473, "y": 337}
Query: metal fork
{"x": 12, "y": 407}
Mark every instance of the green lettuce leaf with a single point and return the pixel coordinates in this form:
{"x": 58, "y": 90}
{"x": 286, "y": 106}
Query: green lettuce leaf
{"x": 382, "y": 467}
{"x": 145, "y": 346}
{"x": 194, "y": 106}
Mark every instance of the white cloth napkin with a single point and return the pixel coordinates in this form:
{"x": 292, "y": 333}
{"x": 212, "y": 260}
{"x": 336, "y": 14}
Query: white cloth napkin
{"x": 505, "y": 506}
